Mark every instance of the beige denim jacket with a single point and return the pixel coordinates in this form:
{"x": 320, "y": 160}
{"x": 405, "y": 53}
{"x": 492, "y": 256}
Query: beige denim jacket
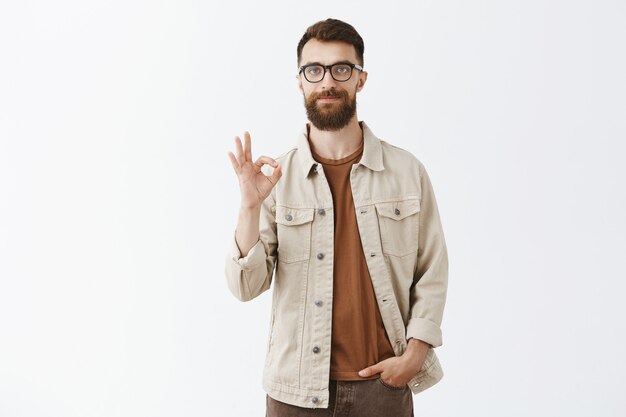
{"x": 406, "y": 254}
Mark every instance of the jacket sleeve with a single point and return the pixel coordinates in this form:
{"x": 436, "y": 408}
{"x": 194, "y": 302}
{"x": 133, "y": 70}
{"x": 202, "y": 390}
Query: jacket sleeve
{"x": 249, "y": 276}
{"x": 430, "y": 278}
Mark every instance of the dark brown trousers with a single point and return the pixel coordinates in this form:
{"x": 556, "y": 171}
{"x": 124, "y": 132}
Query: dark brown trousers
{"x": 371, "y": 398}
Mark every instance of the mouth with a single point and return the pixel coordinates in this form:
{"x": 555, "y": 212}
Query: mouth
{"x": 328, "y": 98}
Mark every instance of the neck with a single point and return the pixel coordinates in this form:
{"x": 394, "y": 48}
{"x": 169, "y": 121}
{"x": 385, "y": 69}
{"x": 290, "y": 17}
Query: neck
{"x": 336, "y": 144}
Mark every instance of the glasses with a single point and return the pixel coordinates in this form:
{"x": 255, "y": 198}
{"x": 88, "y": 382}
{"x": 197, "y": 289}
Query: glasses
{"x": 342, "y": 71}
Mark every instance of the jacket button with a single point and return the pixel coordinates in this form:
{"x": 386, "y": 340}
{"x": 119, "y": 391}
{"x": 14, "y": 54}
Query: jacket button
{"x": 316, "y": 349}
{"x": 320, "y": 256}
{"x": 315, "y": 400}
{"x": 397, "y": 211}
{"x": 321, "y": 212}
{"x": 318, "y": 303}
{"x": 289, "y": 217}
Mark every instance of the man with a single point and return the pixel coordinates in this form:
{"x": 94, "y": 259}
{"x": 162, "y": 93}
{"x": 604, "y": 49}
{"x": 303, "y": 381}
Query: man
{"x": 346, "y": 229}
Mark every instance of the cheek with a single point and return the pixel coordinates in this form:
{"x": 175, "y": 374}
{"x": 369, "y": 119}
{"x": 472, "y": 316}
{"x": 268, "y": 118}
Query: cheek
{"x": 309, "y": 93}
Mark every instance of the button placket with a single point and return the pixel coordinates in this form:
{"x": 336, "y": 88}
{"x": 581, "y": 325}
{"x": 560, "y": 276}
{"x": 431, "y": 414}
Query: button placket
{"x": 323, "y": 226}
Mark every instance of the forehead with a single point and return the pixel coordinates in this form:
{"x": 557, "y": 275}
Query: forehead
{"x": 327, "y": 52}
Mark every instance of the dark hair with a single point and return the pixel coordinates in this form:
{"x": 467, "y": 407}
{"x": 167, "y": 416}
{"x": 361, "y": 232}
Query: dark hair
{"x": 333, "y": 30}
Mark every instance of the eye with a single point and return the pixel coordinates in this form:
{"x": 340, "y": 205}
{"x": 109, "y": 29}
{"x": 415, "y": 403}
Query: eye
{"x": 341, "y": 69}
{"x": 314, "y": 70}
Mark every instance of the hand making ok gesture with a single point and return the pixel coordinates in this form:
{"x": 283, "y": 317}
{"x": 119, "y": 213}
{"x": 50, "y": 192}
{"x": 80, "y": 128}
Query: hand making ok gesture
{"x": 254, "y": 185}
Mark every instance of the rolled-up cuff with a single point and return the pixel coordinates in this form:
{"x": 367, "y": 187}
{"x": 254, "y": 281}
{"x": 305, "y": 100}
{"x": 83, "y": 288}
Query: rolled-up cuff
{"x": 425, "y": 330}
{"x": 254, "y": 259}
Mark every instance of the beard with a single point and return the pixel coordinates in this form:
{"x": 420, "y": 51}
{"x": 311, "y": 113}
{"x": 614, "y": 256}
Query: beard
{"x": 330, "y": 116}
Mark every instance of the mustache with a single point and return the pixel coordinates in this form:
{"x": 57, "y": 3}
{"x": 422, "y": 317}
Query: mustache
{"x": 330, "y": 93}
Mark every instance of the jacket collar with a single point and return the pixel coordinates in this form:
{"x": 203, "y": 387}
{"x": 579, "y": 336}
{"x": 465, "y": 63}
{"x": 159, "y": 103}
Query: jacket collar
{"x": 372, "y": 157}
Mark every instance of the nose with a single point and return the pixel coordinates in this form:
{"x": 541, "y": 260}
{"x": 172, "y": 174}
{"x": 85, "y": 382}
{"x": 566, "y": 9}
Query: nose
{"x": 328, "y": 81}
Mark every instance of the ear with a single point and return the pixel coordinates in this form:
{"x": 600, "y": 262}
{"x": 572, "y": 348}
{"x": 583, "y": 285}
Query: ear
{"x": 362, "y": 80}
{"x": 300, "y": 83}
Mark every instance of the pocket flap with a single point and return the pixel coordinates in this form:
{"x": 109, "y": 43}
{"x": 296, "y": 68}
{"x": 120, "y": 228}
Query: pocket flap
{"x": 398, "y": 210}
{"x": 289, "y": 216}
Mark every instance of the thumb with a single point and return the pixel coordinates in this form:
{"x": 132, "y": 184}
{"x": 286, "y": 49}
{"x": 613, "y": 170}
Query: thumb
{"x": 371, "y": 370}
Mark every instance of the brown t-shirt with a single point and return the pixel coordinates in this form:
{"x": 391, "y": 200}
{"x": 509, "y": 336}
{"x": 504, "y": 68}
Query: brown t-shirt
{"x": 359, "y": 338}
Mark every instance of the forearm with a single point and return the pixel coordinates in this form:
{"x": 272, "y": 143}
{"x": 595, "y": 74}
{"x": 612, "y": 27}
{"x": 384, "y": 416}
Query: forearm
{"x": 247, "y": 233}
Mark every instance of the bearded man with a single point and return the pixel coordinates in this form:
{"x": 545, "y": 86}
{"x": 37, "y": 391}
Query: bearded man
{"x": 347, "y": 232}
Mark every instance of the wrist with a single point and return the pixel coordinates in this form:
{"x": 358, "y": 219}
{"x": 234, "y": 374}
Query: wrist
{"x": 416, "y": 352}
{"x": 249, "y": 210}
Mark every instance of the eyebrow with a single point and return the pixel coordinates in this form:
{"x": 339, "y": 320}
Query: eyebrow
{"x": 319, "y": 63}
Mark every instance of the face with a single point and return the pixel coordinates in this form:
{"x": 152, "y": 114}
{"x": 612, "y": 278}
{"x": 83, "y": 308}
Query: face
{"x": 330, "y": 104}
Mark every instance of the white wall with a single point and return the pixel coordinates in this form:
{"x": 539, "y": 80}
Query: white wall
{"x": 117, "y": 196}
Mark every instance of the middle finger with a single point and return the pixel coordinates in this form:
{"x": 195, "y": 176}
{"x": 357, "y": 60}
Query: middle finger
{"x": 247, "y": 146}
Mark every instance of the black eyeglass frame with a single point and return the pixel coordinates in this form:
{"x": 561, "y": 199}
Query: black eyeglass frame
{"x": 329, "y": 68}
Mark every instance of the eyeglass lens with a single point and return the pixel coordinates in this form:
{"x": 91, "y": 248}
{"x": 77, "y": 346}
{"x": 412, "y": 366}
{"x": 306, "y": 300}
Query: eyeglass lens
{"x": 340, "y": 72}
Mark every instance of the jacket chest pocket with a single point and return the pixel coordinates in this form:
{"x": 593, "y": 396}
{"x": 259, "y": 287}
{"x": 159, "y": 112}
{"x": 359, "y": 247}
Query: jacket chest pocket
{"x": 294, "y": 233}
{"x": 399, "y": 226}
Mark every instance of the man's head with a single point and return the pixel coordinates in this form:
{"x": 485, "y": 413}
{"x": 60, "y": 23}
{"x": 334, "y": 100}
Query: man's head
{"x": 330, "y": 93}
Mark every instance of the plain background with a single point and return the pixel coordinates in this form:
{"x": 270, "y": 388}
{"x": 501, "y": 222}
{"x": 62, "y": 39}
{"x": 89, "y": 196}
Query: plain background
{"x": 117, "y": 198}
